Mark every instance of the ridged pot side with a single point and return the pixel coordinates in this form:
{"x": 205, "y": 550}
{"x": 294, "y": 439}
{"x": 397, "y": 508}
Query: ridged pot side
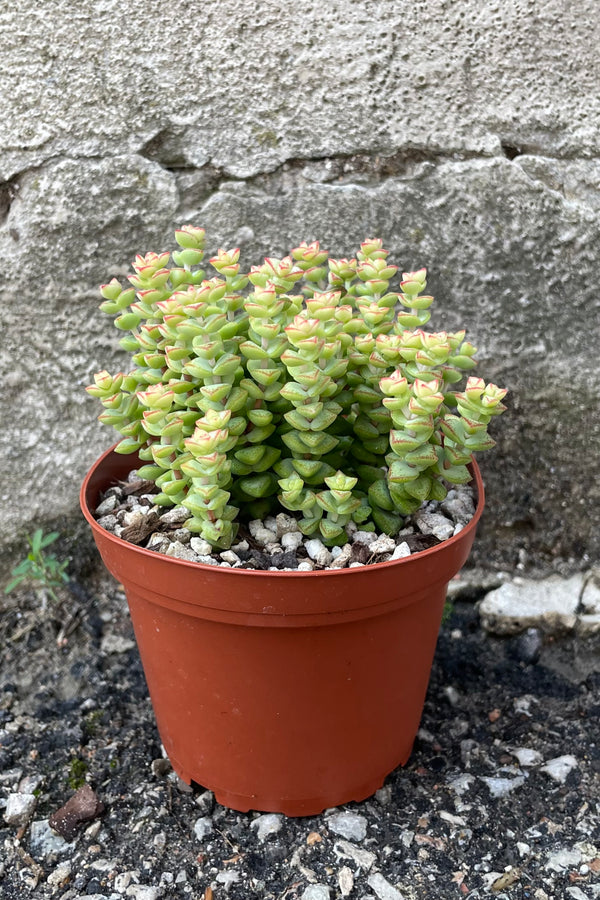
{"x": 283, "y": 691}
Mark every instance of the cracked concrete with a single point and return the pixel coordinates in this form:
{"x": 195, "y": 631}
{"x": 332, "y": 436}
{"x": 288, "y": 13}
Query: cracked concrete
{"x": 460, "y": 150}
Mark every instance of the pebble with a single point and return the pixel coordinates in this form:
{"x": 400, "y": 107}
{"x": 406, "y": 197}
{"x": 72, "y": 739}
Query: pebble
{"x": 107, "y": 506}
{"x": 458, "y": 508}
{"x": 230, "y": 557}
{"x": 343, "y": 557}
{"x": 550, "y": 604}
{"x": 203, "y": 827}
{"x": 305, "y": 566}
{"x": 434, "y": 523}
{"x": 501, "y": 787}
{"x": 563, "y": 859}
{"x": 260, "y": 533}
{"x": 527, "y": 647}
{"x": 44, "y": 841}
{"x": 349, "y": 825}
{"x": 527, "y": 757}
{"x": 460, "y": 784}
{"x": 60, "y": 874}
{"x": 345, "y": 881}
{"x": 200, "y": 546}
{"x": 316, "y": 892}
{"x": 116, "y": 643}
{"x": 19, "y": 807}
{"x": 143, "y": 892}
{"x": 205, "y": 802}
{"x": 383, "y": 544}
{"x": 363, "y": 858}
{"x": 109, "y": 523}
{"x": 364, "y": 537}
{"x": 291, "y": 540}
{"x": 383, "y": 889}
{"x": 318, "y": 552}
{"x": 285, "y": 524}
{"x": 175, "y": 516}
{"x": 559, "y": 768}
{"x": 266, "y": 825}
{"x": 228, "y": 878}
{"x": 182, "y": 551}
{"x": 401, "y": 551}
{"x": 158, "y": 542}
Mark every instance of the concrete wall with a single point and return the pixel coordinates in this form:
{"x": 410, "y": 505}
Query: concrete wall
{"x": 466, "y": 135}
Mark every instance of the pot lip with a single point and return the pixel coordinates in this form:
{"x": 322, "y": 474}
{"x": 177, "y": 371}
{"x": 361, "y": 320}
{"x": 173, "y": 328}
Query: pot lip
{"x": 406, "y": 561}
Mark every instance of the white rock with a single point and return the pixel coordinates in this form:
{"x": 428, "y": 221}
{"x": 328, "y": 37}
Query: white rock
{"x": 271, "y": 523}
{"x": 349, "y": 825}
{"x": 382, "y": 887}
{"x": 203, "y": 827}
{"x": 124, "y": 879}
{"x": 383, "y": 544}
{"x": 266, "y": 825}
{"x": 230, "y": 557}
{"x": 60, "y": 874}
{"x": 180, "y": 551}
{"x": 305, "y": 566}
{"x": 240, "y": 546}
{"x": 550, "y": 605}
{"x": 345, "y": 881}
{"x": 316, "y": 892}
{"x": 228, "y": 878}
{"x": 459, "y": 510}
{"x": 590, "y": 599}
{"x": 285, "y": 524}
{"x": 291, "y": 540}
{"x": 434, "y": 523}
{"x": 135, "y": 516}
{"x": 558, "y": 768}
{"x": 260, "y": 533}
{"x": 211, "y": 561}
{"x": 272, "y": 548}
{"x": 107, "y": 506}
{"x": 176, "y": 516}
{"x": 116, "y": 643}
{"x": 401, "y": 551}
{"x": 501, "y": 787}
{"x": 19, "y": 807}
{"x": 342, "y": 558}
{"x": 384, "y": 795}
{"x": 43, "y": 840}
{"x": 143, "y": 892}
{"x": 460, "y": 784}
{"x": 576, "y": 893}
{"x": 200, "y": 546}
{"x": 355, "y": 565}
{"x": 364, "y": 537}
{"x": 458, "y": 528}
{"x": 363, "y": 858}
{"x": 563, "y": 859}
{"x": 109, "y": 523}
{"x": 158, "y": 542}
{"x": 527, "y": 757}
{"x": 318, "y": 552}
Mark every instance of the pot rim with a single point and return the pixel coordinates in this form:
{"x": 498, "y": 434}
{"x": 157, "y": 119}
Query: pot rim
{"x": 88, "y": 487}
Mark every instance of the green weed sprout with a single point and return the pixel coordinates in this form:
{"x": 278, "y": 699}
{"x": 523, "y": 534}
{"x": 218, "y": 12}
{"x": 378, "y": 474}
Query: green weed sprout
{"x": 38, "y": 568}
{"x": 306, "y": 384}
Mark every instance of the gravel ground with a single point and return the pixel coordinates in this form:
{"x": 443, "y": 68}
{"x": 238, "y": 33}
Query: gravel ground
{"x": 501, "y": 797}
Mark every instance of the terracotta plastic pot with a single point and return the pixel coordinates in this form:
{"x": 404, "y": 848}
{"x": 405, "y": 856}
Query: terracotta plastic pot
{"x": 283, "y": 691}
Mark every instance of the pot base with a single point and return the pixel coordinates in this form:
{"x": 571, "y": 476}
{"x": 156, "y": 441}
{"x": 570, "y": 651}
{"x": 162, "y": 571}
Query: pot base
{"x": 289, "y": 805}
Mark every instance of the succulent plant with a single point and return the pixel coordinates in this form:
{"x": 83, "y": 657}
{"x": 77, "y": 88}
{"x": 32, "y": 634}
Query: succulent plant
{"x": 305, "y": 384}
